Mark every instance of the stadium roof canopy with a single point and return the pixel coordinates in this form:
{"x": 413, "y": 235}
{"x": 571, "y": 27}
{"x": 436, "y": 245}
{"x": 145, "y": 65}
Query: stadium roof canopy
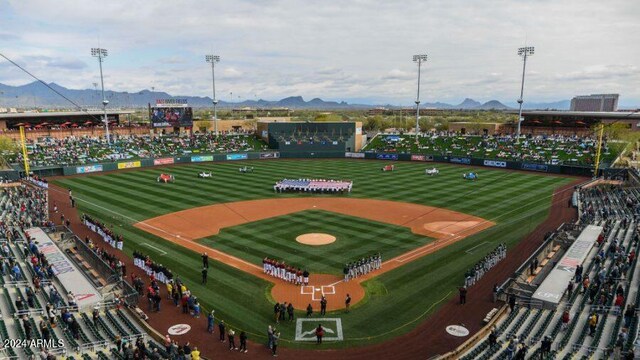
{"x": 30, "y": 115}
{"x": 59, "y": 118}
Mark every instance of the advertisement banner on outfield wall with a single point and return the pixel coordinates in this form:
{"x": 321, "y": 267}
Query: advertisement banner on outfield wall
{"x": 387, "y": 156}
{"x": 270, "y": 155}
{"x": 88, "y": 169}
{"x": 535, "y": 167}
{"x": 459, "y": 160}
{"x": 494, "y": 163}
{"x": 163, "y": 161}
{"x": 202, "y": 158}
{"x": 129, "y": 165}
{"x": 237, "y": 156}
{"x": 421, "y": 158}
{"x": 354, "y": 155}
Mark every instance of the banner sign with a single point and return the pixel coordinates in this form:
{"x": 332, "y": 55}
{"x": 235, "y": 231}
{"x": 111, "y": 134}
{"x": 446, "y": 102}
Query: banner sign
{"x": 501, "y": 164}
{"x": 535, "y": 167}
{"x": 129, "y": 165}
{"x": 88, "y": 169}
{"x": 387, "y": 156}
{"x": 237, "y": 156}
{"x": 171, "y": 102}
{"x": 202, "y": 158}
{"x": 457, "y": 160}
{"x": 421, "y": 157}
{"x": 163, "y": 161}
{"x": 354, "y": 155}
{"x": 270, "y": 155}
{"x": 72, "y": 279}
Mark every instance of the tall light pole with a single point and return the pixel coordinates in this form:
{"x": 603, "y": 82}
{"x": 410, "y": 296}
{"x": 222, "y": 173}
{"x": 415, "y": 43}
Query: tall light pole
{"x": 418, "y": 59}
{"x": 213, "y": 59}
{"x": 101, "y": 54}
{"x": 524, "y": 52}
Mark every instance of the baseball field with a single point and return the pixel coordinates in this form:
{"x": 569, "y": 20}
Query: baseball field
{"x": 429, "y": 230}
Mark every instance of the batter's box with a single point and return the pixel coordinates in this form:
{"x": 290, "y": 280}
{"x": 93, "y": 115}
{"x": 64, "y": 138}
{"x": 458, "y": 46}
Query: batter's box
{"x": 306, "y": 329}
{"x": 328, "y": 290}
{"x": 307, "y": 290}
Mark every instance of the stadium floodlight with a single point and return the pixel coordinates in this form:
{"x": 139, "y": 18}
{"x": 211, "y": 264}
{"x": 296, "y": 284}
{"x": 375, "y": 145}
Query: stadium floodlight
{"x": 101, "y": 54}
{"x": 213, "y": 59}
{"x": 524, "y": 52}
{"x": 418, "y": 59}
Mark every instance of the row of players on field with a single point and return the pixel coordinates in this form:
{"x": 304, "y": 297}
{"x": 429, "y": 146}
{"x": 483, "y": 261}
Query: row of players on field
{"x": 483, "y": 266}
{"x": 288, "y": 273}
{"x": 362, "y": 267}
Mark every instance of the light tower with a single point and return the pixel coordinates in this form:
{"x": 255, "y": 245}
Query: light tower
{"x": 418, "y": 59}
{"x": 524, "y": 52}
{"x": 101, "y": 54}
{"x": 213, "y": 59}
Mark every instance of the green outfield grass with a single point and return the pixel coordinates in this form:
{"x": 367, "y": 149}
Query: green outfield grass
{"x": 276, "y": 238}
{"x": 516, "y": 201}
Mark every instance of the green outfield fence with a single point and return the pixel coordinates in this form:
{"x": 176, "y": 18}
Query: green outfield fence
{"x": 201, "y": 158}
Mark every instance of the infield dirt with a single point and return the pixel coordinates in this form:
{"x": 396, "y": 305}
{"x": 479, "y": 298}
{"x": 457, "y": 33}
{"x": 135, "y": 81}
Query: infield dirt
{"x": 185, "y": 227}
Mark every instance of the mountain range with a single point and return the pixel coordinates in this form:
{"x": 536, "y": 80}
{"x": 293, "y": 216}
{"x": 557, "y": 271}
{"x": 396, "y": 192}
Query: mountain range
{"x": 52, "y": 95}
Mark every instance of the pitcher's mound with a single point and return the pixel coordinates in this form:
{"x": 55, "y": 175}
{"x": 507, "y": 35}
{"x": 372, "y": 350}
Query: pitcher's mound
{"x": 315, "y": 239}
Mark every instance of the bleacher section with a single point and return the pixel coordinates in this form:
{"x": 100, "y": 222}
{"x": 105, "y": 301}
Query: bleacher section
{"x": 33, "y": 295}
{"x": 611, "y": 267}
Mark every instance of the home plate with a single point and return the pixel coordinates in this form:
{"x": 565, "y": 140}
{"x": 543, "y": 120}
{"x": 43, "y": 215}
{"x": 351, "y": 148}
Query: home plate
{"x": 318, "y": 289}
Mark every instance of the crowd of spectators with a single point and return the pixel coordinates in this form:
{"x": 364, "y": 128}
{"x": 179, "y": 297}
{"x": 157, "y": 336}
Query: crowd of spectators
{"x": 547, "y": 149}
{"x": 78, "y": 150}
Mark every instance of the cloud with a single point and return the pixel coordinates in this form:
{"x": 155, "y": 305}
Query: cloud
{"x": 354, "y": 49}
{"x": 601, "y": 72}
{"x": 397, "y": 74}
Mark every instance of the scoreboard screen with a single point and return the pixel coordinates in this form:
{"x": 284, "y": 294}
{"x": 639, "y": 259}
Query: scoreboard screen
{"x": 171, "y": 117}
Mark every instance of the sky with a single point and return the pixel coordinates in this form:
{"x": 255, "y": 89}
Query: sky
{"x": 359, "y": 51}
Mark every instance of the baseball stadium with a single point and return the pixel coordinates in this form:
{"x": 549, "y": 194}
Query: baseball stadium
{"x": 157, "y": 216}
{"x": 391, "y": 248}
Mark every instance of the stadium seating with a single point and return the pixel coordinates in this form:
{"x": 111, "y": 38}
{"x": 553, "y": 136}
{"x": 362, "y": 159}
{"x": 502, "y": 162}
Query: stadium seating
{"x": 21, "y": 208}
{"x": 552, "y": 149}
{"x": 616, "y": 210}
{"x": 84, "y": 150}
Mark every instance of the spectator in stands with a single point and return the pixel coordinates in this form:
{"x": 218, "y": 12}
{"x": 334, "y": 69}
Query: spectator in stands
{"x": 493, "y": 337}
{"x": 629, "y": 314}
{"x": 512, "y": 302}
{"x": 545, "y": 347}
{"x": 511, "y": 348}
{"x": 565, "y": 319}
{"x": 593, "y": 322}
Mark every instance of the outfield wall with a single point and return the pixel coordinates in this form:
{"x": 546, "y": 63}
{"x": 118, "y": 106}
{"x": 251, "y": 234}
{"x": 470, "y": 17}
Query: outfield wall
{"x": 198, "y": 158}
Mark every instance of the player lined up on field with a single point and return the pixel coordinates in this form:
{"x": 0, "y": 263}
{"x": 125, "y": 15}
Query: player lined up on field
{"x": 288, "y": 273}
{"x": 362, "y": 267}
{"x": 483, "y": 266}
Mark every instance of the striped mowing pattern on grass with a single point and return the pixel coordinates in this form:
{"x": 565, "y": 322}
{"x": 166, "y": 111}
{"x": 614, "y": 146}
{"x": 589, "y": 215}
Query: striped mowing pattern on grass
{"x": 275, "y": 238}
{"x": 515, "y": 201}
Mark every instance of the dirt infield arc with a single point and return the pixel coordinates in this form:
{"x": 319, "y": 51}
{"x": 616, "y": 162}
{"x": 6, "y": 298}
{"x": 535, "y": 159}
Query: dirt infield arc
{"x": 184, "y": 227}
